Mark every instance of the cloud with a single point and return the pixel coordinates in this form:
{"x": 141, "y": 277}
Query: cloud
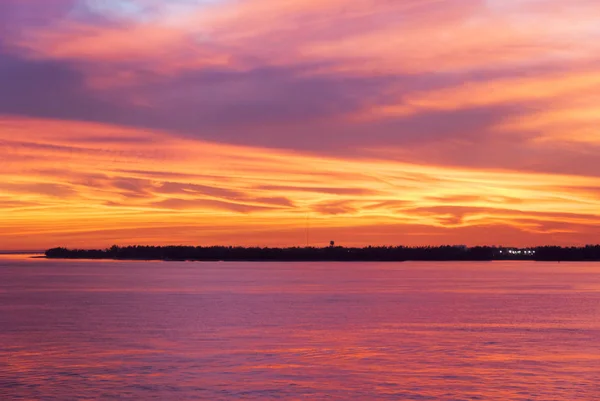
{"x": 182, "y": 188}
{"x": 471, "y": 75}
{"x": 336, "y": 207}
{"x": 323, "y": 190}
{"x": 262, "y": 189}
{"x": 207, "y": 205}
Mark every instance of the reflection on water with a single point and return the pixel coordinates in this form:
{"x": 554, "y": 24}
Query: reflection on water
{"x": 338, "y": 331}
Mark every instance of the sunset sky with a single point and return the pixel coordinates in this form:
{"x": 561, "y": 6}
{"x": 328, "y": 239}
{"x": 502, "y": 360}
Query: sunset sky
{"x": 245, "y": 122}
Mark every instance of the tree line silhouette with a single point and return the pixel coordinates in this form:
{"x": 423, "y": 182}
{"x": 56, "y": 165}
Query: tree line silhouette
{"x": 331, "y": 253}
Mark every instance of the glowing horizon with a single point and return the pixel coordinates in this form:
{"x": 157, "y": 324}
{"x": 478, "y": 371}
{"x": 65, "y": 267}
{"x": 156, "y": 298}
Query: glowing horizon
{"x": 229, "y": 122}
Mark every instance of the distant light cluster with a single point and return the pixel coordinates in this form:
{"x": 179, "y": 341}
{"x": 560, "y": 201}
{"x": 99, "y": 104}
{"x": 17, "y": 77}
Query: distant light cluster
{"x": 519, "y": 251}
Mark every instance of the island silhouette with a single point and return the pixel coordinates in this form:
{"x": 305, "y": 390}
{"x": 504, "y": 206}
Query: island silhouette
{"x": 331, "y": 253}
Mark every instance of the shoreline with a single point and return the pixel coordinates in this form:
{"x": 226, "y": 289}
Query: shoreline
{"x": 321, "y": 261}
{"x": 330, "y": 254}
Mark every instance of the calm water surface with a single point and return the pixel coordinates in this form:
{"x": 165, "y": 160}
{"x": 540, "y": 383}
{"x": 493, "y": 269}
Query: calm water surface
{"x": 298, "y": 331}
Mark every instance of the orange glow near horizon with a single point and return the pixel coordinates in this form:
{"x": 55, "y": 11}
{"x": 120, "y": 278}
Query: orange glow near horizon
{"x": 91, "y": 185}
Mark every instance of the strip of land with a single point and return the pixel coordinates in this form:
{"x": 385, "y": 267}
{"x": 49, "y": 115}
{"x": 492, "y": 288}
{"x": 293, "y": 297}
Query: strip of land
{"x": 331, "y": 253}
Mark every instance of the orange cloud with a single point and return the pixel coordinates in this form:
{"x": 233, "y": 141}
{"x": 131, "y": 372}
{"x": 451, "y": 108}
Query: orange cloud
{"x": 73, "y": 183}
{"x": 509, "y": 91}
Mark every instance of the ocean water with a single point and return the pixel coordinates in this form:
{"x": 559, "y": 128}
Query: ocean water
{"x": 77, "y": 330}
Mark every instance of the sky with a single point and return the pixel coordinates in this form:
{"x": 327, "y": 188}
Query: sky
{"x": 287, "y": 122}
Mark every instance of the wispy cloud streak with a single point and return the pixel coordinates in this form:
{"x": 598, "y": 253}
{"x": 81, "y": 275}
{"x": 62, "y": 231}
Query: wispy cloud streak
{"x": 58, "y": 175}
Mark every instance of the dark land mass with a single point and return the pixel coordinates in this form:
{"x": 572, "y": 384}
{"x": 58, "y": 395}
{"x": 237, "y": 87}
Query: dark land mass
{"x": 332, "y": 253}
